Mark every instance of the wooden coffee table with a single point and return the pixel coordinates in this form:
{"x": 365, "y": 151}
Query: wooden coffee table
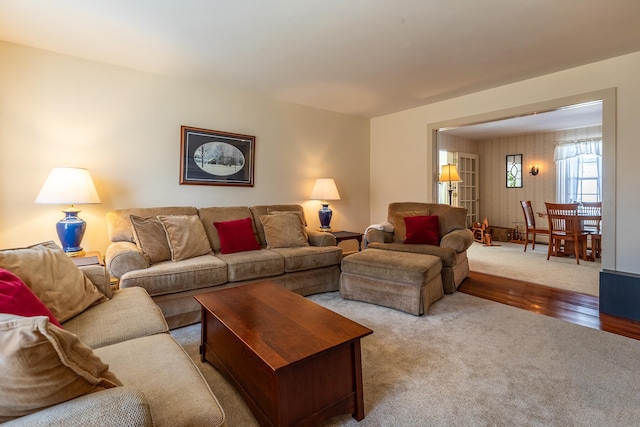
{"x": 293, "y": 361}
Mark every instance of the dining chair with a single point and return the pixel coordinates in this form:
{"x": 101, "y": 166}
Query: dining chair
{"x": 564, "y": 226}
{"x": 530, "y": 221}
{"x": 593, "y": 226}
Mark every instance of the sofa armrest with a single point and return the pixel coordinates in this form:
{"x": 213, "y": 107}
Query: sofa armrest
{"x": 99, "y": 277}
{"x": 320, "y": 238}
{"x": 378, "y": 236}
{"x": 459, "y": 240}
{"x": 119, "y": 406}
{"x": 122, "y": 257}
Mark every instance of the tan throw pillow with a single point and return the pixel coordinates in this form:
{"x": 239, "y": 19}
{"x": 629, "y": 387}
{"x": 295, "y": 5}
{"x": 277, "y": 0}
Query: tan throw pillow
{"x": 53, "y": 277}
{"x": 400, "y": 229}
{"x": 284, "y": 231}
{"x": 299, "y": 213}
{"x": 42, "y": 365}
{"x": 150, "y": 238}
{"x": 186, "y": 236}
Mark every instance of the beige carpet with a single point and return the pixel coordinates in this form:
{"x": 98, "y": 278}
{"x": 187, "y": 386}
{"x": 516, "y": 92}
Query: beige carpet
{"x": 474, "y": 362}
{"x": 510, "y": 260}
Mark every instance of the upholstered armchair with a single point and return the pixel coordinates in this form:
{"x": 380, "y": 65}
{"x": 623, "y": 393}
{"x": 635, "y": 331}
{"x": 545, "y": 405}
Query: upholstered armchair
{"x": 450, "y": 241}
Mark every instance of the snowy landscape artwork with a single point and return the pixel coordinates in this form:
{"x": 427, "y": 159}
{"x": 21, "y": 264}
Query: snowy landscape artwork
{"x": 216, "y": 158}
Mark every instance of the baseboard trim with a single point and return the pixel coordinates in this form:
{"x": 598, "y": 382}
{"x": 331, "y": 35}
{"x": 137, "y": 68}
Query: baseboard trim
{"x": 619, "y": 294}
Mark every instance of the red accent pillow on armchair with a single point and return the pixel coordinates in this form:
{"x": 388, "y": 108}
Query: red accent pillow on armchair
{"x": 422, "y": 230}
{"x": 16, "y": 298}
{"x": 236, "y": 236}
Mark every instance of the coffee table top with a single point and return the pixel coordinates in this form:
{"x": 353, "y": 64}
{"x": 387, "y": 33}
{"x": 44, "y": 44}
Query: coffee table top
{"x": 280, "y": 326}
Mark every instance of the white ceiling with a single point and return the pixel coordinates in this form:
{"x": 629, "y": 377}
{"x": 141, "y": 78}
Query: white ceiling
{"x": 359, "y": 57}
{"x": 570, "y": 117}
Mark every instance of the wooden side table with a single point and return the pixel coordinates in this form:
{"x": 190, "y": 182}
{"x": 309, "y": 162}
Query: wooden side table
{"x": 89, "y": 258}
{"x": 348, "y": 235}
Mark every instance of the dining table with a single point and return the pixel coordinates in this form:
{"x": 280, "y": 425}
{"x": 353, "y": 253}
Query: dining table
{"x": 581, "y": 218}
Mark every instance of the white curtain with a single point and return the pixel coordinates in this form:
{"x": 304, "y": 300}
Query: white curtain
{"x": 568, "y": 158}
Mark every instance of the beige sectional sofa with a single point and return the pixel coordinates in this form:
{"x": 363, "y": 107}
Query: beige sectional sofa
{"x": 454, "y": 237}
{"x": 125, "y": 329}
{"x": 305, "y": 267}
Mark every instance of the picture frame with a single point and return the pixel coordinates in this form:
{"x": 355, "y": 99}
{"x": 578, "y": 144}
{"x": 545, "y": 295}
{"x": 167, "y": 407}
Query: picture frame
{"x": 211, "y": 157}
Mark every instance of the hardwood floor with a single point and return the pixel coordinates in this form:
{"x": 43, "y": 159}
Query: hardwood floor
{"x": 573, "y": 307}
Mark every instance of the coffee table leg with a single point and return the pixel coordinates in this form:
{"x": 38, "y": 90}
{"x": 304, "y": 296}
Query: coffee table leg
{"x": 357, "y": 364}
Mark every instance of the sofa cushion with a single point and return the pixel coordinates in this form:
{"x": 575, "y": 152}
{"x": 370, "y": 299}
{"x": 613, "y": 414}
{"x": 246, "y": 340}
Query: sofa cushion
{"x": 284, "y": 231}
{"x": 186, "y": 236}
{"x": 237, "y": 236}
{"x": 53, "y": 277}
{"x": 177, "y": 393}
{"x": 129, "y": 314}
{"x": 151, "y": 238}
{"x": 220, "y": 214}
{"x": 17, "y": 298}
{"x": 119, "y": 221}
{"x": 399, "y": 225}
{"x": 258, "y": 211}
{"x": 422, "y": 230}
{"x": 169, "y": 277}
{"x": 42, "y": 365}
{"x": 252, "y": 264}
{"x": 309, "y": 257}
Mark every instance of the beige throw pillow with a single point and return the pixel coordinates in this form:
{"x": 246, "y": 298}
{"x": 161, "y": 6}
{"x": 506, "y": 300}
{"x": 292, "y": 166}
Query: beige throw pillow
{"x": 53, "y": 277}
{"x": 299, "y": 213}
{"x": 400, "y": 229}
{"x": 42, "y": 365}
{"x": 186, "y": 236}
{"x": 151, "y": 238}
{"x": 284, "y": 231}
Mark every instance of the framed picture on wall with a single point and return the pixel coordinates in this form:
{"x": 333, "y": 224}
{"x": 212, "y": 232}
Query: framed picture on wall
{"x": 210, "y": 157}
{"x": 514, "y": 171}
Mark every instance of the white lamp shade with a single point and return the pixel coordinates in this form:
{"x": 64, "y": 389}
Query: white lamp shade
{"x": 68, "y": 186}
{"x": 449, "y": 173}
{"x": 325, "y": 189}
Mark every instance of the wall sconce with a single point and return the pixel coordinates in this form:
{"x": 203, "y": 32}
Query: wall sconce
{"x": 533, "y": 170}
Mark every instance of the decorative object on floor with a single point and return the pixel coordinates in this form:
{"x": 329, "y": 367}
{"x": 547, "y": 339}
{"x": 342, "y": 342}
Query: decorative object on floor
{"x": 449, "y": 173}
{"x": 323, "y": 190}
{"x": 70, "y": 186}
{"x": 211, "y": 157}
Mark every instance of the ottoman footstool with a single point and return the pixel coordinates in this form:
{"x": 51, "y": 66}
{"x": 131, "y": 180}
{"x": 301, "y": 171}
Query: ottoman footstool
{"x": 401, "y": 280}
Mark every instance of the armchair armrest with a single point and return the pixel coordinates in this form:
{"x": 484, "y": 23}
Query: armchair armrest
{"x": 117, "y": 406}
{"x": 378, "y": 236}
{"x": 122, "y": 257}
{"x": 458, "y": 240}
{"x": 320, "y": 238}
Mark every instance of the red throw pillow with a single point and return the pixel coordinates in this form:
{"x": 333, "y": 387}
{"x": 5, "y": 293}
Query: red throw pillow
{"x": 16, "y": 298}
{"x": 422, "y": 230}
{"x": 236, "y": 236}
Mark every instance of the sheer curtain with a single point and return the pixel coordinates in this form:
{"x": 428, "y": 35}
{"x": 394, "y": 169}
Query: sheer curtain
{"x": 569, "y": 157}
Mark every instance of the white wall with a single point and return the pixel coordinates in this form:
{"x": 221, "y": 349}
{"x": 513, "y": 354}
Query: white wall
{"x": 402, "y": 148}
{"x": 124, "y": 126}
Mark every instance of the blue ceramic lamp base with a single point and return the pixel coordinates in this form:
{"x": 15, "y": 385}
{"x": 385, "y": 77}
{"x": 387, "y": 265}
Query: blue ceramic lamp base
{"x": 70, "y": 232}
{"x": 325, "y": 217}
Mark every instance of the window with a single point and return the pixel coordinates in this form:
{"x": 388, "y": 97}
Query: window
{"x": 579, "y": 171}
{"x": 514, "y": 171}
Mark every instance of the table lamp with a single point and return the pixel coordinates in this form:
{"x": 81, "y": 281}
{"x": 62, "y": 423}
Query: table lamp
{"x": 449, "y": 173}
{"x": 69, "y": 186}
{"x": 323, "y": 190}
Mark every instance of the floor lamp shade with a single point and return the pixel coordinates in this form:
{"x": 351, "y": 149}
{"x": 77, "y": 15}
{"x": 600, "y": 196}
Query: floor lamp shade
{"x": 323, "y": 190}
{"x": 69, "y": 186}
{"x": 449, "y": 173}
